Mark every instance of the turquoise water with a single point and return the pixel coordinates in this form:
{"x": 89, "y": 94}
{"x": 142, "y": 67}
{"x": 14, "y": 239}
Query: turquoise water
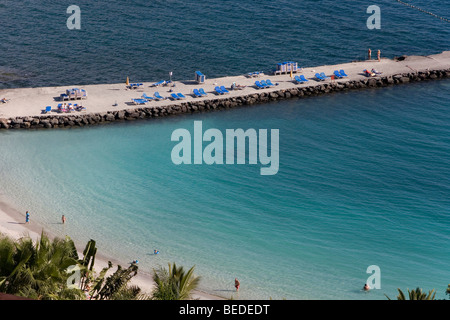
{"x": 363, "y": 180}
{"x": 363, "y": 176}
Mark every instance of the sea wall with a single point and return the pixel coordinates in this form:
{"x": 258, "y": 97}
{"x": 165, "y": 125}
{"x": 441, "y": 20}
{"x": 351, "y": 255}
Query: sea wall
{"x": 222, "y": 102}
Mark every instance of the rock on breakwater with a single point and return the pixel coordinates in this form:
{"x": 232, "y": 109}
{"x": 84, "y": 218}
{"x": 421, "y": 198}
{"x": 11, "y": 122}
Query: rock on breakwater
{"x": 218, "y": 103}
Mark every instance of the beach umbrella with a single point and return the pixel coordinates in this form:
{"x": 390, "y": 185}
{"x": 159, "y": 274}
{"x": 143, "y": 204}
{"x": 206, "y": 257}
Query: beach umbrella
{"x": 128, "y": 81}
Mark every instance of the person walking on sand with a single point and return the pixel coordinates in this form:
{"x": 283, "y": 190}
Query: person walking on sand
{"x": 27, "y": 218}
{"x": 379, "y": 55}
{"x": 237, "y": 284}
{"x": 63, "y": 219}
{"x": 369, "y": 54}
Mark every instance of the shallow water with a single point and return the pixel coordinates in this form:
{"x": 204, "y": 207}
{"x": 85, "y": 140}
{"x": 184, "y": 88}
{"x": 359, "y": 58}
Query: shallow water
{"x": 363, "y": 176}
{"x": 359, "y": 184}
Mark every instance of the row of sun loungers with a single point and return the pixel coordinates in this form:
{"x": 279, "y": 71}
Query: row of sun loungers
{"x": 145, "y": 98}
{"x": 199, "y": 93}
{"x": 254, "y": 74}
{"x": 177, "y": 96}
{"x": 300, "y": 79}
{"x": 336, "y": 74}
{"x": 264, "y": 84}
{"x": 156, "y": 97}
{"x": 321, "y": 76}
{"x": 340, "y": 74}
{"x": 221, "y": 90}
{"x": 134, "y": 85}
{"x": 159, "y": 83}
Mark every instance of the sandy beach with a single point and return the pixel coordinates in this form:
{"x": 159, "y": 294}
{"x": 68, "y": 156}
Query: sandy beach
{"x": 12, "y": 224}
{"x": 113, "y": 97}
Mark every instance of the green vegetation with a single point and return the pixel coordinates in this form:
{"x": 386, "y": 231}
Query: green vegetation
{"x": 174, "y": 283}
{"x": 52, "y": 270}
{"x": 416, "y": 294}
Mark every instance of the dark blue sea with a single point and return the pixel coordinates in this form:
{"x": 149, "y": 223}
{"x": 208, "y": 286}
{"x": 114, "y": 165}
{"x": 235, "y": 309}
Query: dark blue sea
{"x": 363, "y": 177}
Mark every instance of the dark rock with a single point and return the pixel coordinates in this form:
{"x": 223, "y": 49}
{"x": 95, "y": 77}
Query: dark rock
{"x": 404, "y": 79}
{"x": 109, "y": 117}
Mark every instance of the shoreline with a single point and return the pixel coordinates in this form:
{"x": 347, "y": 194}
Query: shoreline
{"x": 107, "y": 103}
{"x": 10, "y": 219}
{"x": 12, "y": 225}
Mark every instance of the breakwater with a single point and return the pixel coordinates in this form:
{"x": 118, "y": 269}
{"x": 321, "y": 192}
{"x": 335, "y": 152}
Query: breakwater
{"x": 217, "y": 103}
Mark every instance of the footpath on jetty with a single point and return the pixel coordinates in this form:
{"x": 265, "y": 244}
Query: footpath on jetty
{"x": 25, "y": 107}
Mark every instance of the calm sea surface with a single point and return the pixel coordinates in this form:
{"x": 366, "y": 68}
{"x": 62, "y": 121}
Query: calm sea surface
{"x": 363, "y": 178}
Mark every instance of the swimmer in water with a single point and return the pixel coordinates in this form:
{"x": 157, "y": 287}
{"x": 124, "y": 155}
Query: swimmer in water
{"x": 366, "y": 287}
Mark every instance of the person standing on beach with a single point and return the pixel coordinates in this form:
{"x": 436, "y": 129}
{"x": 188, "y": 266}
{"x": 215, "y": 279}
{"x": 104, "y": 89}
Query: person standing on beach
{"x": 369, "y": 54}
{"x": 237, "y": 284}
{"x": 27, "y": 217}
{"x": 379, "y": 55}
{"x": 63, "y": 219}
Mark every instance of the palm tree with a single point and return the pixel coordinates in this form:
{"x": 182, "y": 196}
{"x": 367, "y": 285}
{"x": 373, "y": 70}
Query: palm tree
{"x": 416, "y": 294}
{"x": 115, "y": 284}
{"x": 174, "y": 283}
{"x": 37, "y": 270}
{"x": 130, "y": 293}
{"x": 40, "y": 271}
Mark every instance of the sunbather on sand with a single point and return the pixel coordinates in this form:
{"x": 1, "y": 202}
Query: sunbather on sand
{"x": 4, "y": 100}
{"x": 369, "y": 74}
{"x": 375, "y": 71}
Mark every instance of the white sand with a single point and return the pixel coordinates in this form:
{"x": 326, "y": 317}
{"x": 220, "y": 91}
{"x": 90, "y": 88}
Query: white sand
{"x": 102, "y": 97}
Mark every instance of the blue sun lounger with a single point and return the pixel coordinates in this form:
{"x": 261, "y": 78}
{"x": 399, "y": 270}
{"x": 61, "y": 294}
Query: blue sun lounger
{"x": 47, "y": 109}
{"x": 259, "y": 85}
{"x": 269, "y": 83}
{"x": 324, "y": 76}
{"x": 342, "y": 72}
{"x": 158, "y": 83}
{"x": 196, "y": 93}
{"x": 217, "y": 89}
{"x": 223, "y": 89}
{"x": 133, "y": 85}
{"x": 264, "y": 84}
{"x": 302, "y": 77}
{"x": 145, "y": 96}
{"x": 337, "y": 74}
{"x": 319, "y": 77}
{"x": 158, "y": 96}
{"x": 181, "y": 96}
{"x": 298, "y": 80}
{"x": 174, "y": 96}
{"x": 140, "y": 101}
{"x": 202, "y": 92}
